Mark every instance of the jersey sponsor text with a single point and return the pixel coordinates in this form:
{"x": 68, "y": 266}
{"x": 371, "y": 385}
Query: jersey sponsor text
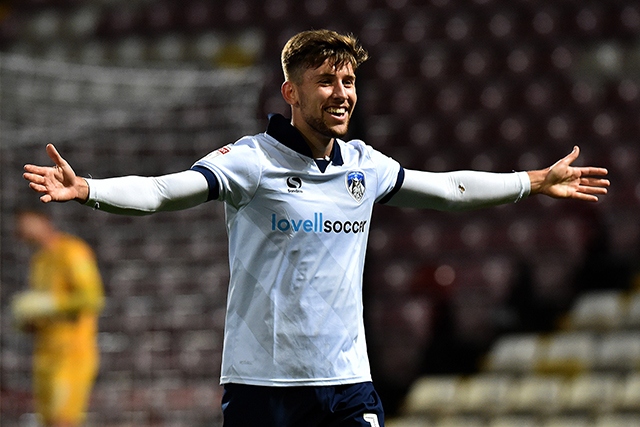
{"x": 317, "y": 225}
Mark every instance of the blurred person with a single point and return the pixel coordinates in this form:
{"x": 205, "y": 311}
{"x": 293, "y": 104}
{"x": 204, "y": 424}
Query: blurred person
{"x": 298, "y": 202}
{"x": 61, "y": 310}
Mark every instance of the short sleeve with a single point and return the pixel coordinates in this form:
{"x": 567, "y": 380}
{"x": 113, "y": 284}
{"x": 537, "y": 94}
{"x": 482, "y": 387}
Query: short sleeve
{"x": 389, "y": 172}
{"x": 236, "y": 168}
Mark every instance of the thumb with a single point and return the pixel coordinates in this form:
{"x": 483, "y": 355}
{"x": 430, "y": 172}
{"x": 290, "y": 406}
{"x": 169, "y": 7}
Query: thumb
{"x": 572, "y": 155}
{"x": 569, "y": 158}
{"x": 55, "y": 156}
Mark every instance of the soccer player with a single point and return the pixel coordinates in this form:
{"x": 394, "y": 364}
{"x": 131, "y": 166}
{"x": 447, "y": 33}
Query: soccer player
{"x": 298, "y": 203}
{"x": 61, "y": 309}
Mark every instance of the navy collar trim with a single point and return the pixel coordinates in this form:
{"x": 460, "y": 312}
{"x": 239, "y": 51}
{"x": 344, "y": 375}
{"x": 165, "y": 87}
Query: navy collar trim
{"x": 281, "y": 129}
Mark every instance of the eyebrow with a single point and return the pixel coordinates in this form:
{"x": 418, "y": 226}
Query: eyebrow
{"x": 332, "y": 75}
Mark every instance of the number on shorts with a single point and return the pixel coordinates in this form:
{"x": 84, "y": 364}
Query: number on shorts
{"x": 372, "y": 419}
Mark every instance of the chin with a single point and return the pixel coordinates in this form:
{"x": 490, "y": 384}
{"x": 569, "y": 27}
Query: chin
{"x": 338, "y": 131}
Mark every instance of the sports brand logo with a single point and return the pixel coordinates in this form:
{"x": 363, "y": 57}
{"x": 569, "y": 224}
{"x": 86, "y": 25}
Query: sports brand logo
{"x": 356, "y": 185}
{"x": 220, "y": 151}
{"x": 294, "y": 183}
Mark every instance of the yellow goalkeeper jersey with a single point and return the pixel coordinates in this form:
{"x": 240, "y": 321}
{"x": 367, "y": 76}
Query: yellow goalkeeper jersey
{"x": 69, "y": 272}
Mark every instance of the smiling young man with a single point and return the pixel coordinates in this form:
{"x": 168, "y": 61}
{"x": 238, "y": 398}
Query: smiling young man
{"x": 321, "y": 90}
{"x": 298, "y": 202}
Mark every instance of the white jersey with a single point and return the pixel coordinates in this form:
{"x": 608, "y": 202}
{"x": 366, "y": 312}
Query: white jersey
{"x": 297, "y": 239}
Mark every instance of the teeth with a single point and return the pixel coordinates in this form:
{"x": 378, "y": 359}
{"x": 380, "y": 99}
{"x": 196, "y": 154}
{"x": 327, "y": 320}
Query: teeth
{"x": 334, "y": 110}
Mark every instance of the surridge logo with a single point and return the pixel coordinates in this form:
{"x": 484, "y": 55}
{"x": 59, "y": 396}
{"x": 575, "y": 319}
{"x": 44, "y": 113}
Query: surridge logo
{"x": 294, "y": 183}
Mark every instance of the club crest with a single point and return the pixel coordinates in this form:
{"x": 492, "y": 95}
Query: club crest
{"x": 356, "y": 185}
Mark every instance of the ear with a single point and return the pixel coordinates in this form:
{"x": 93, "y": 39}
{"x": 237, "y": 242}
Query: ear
{"x": 289, "y": 93}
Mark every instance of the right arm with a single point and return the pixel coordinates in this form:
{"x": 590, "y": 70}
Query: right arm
{"x": 130, "y": 195}
{"x": 138, "y": 195}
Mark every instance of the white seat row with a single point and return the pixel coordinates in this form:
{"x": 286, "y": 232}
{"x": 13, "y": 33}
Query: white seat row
{"x": 495, "y": 393}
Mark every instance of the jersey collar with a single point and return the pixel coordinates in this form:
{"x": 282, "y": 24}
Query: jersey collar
{"x": 282, "y": 130}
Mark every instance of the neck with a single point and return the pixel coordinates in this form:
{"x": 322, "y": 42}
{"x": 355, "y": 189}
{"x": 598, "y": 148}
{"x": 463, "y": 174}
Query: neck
{"x": 319, "y": 149}
{"x": 320, "y": 145}
{"x": 49, "y": 240}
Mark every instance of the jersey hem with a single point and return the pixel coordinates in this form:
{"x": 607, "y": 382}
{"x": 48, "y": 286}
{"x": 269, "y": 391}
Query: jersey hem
{"x": 294, "y": 382}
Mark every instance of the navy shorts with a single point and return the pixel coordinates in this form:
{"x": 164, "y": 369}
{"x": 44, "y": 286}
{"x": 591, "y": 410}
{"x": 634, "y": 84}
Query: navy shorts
{"x": 349, "y": 405}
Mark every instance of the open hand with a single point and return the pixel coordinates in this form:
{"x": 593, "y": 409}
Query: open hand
{"x": 561, "y": 180}
{"x": 57, "y": 183}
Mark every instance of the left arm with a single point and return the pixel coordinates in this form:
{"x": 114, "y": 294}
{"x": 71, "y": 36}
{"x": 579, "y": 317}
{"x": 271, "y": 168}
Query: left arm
{"x": 459, "y": 190}
{"x": 463, "y": 190}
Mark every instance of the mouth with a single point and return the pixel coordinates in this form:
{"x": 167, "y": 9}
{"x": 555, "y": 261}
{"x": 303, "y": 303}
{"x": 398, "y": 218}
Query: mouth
{"x": 337, "y": 112}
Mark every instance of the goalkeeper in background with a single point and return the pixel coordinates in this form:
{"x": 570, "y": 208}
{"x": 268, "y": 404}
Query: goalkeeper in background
{"x": 61, "y": 310}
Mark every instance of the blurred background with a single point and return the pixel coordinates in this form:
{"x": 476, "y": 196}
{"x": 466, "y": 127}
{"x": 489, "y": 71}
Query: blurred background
{"x": 522, "y": 315}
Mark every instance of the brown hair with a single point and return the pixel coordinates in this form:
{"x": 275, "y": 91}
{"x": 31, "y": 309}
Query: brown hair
{"x": 310, "y": 49}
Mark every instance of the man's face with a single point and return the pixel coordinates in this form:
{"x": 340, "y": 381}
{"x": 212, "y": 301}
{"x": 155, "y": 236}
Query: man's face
{"x": 326, "y": 97}
{"x": 31, "y": 227}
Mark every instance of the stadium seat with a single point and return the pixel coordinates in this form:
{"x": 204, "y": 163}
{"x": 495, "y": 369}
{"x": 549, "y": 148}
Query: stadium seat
{"x": 82, "y": 23}
{"x": 537, "y": 394}
{"x": 485, "y": 393}
{"x": 618, "y": 420}
{"x": 436, "y": 62}
{"x": 408, "y": 422}
{"x": 547, "y": 21}
{"x": 619, "y": 350}
{"x": 504, "y": 24}
{"x": 514, "y": 353}
{"x": 632, "y": 319}
{"x": 460, "y": 420}
{"x": 567, "y": 421}
{"x": 432, "y": 395}
{"x": 117, "y": 21}
{"x": 592, "y": 392}
{"x": 417, "y": 25}
{"x": 603, "y": 310}
{"x": 170, "y": 47}
{"x": 568, "y": 352}
{"x": 131, "y": 50}
{"x": 630, "y": 393}
{"x": 45, "y": 25}
{"x": 160, "y": 18}
{"x": 513, "y": 421}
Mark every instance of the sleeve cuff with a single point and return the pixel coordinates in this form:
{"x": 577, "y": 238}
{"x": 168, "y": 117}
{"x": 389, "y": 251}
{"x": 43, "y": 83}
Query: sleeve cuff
{"x": 92, "y": 198}
{"x": 525, "y": 185}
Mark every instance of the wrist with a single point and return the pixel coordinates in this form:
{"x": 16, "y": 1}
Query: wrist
{"x": 82, "y": 190}
{"x": 537, "y": 178}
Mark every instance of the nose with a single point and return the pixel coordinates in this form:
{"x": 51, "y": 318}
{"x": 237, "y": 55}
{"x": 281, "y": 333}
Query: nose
{"x": 339, "y": 91}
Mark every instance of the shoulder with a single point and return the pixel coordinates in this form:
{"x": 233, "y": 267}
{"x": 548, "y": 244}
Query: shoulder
{"x": 74, "y": 246}
{"x": 359, "y": 148}
{"x": 245, "y": 146}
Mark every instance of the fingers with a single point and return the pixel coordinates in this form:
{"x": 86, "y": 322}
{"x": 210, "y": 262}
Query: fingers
{"x": 591, "y": 190}
{"x": 584, "y": 197}
{"x": 590, "y": 170}
{"x": 595, "y": 182}
{"x": 37, "y": 170}
{"x": 36, "y": 178}
{"x": 45, "y": 198}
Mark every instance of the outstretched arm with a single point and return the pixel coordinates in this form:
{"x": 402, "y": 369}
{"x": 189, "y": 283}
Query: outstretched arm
{"x": 463, "y": 190}
{"x": 563, "y": 181}
{"x": 128, "y": 195}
